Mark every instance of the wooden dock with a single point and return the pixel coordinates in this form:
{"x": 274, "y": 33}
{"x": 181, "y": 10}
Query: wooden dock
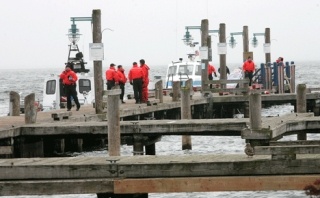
{"x": 155, "y": 174}
{"x": 283, "y": 167}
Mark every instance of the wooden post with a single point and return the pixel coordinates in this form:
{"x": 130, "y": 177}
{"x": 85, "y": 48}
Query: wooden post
{"x": 245, "y": 37}
{"x": 301, "y": 105}
{"x": 97, "y": 65}
{"x": 59, "y": 145}
{"x": 223, "y": 61}
{"x": 188, "y": 85}
{"x": 138, "y": 144}
{"x": 175, "y": 91}
{"x": 280, "y": 79}
{"x": 30, "y": 111}
{"x": 14, "y": 106}
{"x": 186, "y": 114}
{"x": 113, "y": 107}
{"x": 255, "y": 111}
{"x": 292, "y": 78}
{"x": 159, "y": 91}
{"x": 204, "y": 63}
{"x": 267, "y": 41}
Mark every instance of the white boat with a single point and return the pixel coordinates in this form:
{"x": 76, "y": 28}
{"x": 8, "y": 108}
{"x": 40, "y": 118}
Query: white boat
{"x": 191, "y": 68}
{"x": 54, "y": 96}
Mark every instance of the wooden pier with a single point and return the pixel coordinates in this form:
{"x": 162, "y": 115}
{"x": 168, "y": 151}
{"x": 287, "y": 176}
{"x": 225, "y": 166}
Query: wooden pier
{"x": 29, "y": 168}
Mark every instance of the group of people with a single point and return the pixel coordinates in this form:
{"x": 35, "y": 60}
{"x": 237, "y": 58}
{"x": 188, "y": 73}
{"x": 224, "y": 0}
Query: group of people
{"x": 138, "y": 77}
{"x": 249, "y": 67}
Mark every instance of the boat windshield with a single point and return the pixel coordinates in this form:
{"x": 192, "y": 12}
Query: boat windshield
{"x": 172, "y": 70}
{"x": 185, "y": 69}
{"x": 198, "y": 70}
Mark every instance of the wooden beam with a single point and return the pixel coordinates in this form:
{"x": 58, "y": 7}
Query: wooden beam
{"x": 54, "y": 187}
{"x": 283, "y": 150}
{"x": 210, "y": 184}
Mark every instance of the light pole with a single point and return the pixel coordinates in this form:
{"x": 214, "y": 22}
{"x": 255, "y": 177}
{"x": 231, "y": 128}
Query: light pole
{"x": 267, "y": 43}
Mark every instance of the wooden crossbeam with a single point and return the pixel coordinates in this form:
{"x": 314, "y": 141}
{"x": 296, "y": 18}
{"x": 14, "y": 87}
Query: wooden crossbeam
{"x": 283, "y": 150}
{"x": 211, "y": 184}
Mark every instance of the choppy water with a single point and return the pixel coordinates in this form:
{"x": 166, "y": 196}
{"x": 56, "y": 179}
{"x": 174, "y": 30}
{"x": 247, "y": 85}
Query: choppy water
{"x": 31, "y": 81}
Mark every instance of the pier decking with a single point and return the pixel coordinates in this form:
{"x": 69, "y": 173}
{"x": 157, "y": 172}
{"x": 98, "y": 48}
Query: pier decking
{"x": 268, "y": 169}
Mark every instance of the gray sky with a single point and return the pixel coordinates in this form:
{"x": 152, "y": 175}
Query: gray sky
{"x": 33, "y": 32}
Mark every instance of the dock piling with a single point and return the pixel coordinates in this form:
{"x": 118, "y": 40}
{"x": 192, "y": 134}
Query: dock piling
{"x": 14, "y": 106}
{"x": 113, "y": 107}
{"x": 30, "y": 110}
{"x": 301, "y": 106}
{"x": 186, "y": 114}
{"x": 175, "y": 91}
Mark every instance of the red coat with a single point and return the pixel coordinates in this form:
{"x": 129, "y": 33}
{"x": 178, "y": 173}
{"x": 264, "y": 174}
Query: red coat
{"x": 135, "y": 72}
{"x": 211, "y": 69}
{"x": 122, "y": 76}
{"x": 68, "y": 77}
{"x": 111, "y": 74}
{"x": 248, "y": 66}
{"x": 145, "y": 68}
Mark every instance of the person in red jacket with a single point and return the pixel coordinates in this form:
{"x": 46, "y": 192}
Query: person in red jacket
{"x": 122, "y": 81}
{"x": 211, "y": 70}
{"x": 248, "y": 68}
{"x": 112, "y": 77}
{"x": 136, "y": 76}
{"x": 69, "y": 79}
{"x": 145, "y": 70}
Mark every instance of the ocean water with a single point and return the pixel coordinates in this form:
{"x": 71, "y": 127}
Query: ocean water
{"x": 32, "y": 81}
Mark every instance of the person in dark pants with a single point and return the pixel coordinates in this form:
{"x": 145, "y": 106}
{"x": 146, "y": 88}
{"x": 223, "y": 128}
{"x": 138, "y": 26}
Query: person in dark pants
{"x": 69, "y": 80}
{"x": 136, "y": 79}
{"x": 112, "y": 77}
{"x": 122, "y": 81}
{"x": 211, "y": 70}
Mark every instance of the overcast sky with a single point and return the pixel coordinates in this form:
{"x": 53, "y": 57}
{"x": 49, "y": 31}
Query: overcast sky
{"x": 33, "y": 32}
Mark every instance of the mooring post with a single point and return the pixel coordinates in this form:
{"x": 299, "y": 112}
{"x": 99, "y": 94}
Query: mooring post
{"x": 185, "y": 114}
{"x": 159, "y": 91}
{"x": 113, "y": 112}
{"x": 189, "y": 84}
{"x": 292, "y": 77}
{"x": 30, "y": 110}
{"x": 222, "y": 57}
{"x": 175, "y": 91}
{"x": 255, "y": 111}
{"x": 204, "y": 62}
{"x": 97, "y": 65}
{"x": 138, "y": 144}
{"x": 14, "y": 106}
{"x": 301, "y": 106}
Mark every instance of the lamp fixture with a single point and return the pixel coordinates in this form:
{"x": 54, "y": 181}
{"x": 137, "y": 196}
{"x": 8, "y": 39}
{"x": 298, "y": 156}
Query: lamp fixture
{"x": 232, "y": 41}
{"x": 254, "y": 41}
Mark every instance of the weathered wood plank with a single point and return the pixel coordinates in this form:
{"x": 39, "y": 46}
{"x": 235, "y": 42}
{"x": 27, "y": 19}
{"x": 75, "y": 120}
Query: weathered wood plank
{"x": 283, "y": 150}
{"x": 54, "y": 187}
{"x": 209, "y": 184}
{"x": 296, "y": 142}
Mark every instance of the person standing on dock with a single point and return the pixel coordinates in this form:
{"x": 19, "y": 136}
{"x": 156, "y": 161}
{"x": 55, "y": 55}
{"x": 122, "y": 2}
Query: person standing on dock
{"x": 122, "y": 81}
{"x": 248, "y": 68}
{"x": 211, "y": 70}
{"x": 69, "y": 80}
{"x": 145, "y": 68}
{"x": 112, "y": 77}
{"x": 136, "y": 76}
